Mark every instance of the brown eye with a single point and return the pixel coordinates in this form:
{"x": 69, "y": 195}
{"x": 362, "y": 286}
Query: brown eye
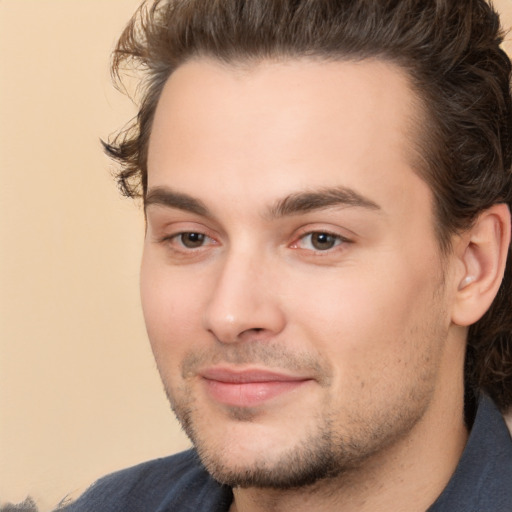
{"x": 192, "y": 240}
{"x": 320, "y": 241}
{"x": 323, "y": 241}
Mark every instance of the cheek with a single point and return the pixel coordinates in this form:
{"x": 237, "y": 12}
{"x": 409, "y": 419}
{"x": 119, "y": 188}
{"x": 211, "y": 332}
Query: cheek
{"x": 375, "y": 322}
{"x": 171, "y": 308}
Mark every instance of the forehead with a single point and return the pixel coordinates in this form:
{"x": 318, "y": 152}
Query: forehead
{"x": 291, "y": 123}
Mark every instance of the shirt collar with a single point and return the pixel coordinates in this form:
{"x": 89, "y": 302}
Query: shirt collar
{"x": 483, "y": 477}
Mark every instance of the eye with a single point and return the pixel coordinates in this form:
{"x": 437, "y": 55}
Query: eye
{"x": 191, "y": 240}
{"x": 319, "y": 241}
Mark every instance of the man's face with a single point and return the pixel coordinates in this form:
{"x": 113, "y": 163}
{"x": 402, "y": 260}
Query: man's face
{"x": 291, "y": 279}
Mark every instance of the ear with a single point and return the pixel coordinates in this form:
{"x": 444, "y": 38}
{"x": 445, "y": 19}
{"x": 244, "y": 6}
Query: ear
{"x": 483, "y": 255}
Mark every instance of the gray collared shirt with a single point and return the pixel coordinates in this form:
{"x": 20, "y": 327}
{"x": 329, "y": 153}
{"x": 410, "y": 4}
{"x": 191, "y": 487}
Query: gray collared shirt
{"x": 482, "y": 481}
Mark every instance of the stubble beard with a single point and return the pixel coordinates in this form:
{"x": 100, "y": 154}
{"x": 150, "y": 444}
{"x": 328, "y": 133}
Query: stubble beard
{"x": 312, "y": 459}
{"x": 329, "y": 450}
{"x": 321, "y": 455}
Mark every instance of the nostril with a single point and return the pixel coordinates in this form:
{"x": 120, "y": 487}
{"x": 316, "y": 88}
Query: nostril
{"x": 256, "y": 330}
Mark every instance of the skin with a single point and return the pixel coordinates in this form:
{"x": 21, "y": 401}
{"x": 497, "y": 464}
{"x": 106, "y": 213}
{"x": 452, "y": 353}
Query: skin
{"x": 239, "y": 274}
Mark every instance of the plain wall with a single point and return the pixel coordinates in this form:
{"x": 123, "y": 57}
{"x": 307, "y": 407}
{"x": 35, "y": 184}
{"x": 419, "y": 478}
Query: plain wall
{"x": 79, "y": 392}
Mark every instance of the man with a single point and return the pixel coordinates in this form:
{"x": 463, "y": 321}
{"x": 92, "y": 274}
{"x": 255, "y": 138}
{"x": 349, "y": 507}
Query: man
{"x": 325, "y": 283}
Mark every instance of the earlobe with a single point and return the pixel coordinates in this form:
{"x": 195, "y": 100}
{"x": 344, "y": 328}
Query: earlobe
{"x": 483, "y": 257}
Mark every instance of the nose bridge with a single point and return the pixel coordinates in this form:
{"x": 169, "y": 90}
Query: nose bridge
{"x": 242, "y": 298}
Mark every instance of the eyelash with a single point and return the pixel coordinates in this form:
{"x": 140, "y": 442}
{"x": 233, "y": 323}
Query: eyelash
{"x": 333, "y": 239}
{"x": 178, "y": 237}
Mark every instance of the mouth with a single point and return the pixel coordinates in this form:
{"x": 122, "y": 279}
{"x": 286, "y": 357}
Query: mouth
{"x": 248, "y": 388}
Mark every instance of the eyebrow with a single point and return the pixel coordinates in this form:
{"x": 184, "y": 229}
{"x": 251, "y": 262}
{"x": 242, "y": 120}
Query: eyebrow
{"x": 293, "y": 204}
{"x": 303, "y": 202}
{"x": 163, "y": 196}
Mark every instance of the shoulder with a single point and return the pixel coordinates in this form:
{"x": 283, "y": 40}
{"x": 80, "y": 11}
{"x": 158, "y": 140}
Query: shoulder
{"x": 162, "y": 484}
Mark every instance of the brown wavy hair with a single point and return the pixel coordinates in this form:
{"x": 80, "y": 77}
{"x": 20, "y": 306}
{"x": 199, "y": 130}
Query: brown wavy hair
{"x": 451, "y": 52}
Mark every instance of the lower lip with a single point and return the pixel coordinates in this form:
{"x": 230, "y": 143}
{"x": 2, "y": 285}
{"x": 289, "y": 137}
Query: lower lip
{"x": 249, "y": 394}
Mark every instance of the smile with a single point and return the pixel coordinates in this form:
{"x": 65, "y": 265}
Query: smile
{"x": 248, "y": 388}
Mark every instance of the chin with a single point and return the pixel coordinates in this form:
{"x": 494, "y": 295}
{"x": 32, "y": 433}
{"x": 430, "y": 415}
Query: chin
{"x": 241, "y": 450}
{"x": 284, "y": 468}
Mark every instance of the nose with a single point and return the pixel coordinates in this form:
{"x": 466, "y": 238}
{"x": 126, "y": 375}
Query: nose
{"x": 244, "y": 302}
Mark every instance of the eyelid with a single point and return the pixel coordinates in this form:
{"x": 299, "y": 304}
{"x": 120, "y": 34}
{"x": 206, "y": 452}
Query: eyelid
{"x": 176, "y": 236}
{"x": 178, "y": 232}
{"x": 310, "y": 230}
{"x": 168, "y": 233}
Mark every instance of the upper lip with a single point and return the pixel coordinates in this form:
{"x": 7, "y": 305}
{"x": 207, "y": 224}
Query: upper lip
{"x": 235, "y": 376}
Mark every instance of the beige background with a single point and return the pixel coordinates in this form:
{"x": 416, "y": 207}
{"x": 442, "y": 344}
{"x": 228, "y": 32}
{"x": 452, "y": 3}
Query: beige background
{"x": 79, "y": 393}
